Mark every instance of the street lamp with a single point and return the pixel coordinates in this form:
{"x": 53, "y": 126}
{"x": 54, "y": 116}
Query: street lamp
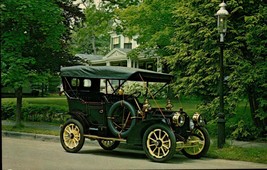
{"x": 221, "y": 14}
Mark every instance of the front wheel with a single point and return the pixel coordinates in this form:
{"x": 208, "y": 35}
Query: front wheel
{"x": 200, "y": 136}
{"x": 71, "y": 136}
{"x": 108, "y": 144}
{"x": 159, "y": 143}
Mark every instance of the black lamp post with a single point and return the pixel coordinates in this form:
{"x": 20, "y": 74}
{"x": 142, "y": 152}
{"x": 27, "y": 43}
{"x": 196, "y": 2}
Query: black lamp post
{"x": 222, "y": 14}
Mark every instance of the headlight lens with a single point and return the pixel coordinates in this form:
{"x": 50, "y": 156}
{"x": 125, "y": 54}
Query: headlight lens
{"x": 198, "y": 119}
{"x": 191, "y": 125}
{"x": 178, "y": 119}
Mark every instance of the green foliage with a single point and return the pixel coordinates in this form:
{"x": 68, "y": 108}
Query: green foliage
{"x": 30, "y": 38}
{"x": 34, "y": 112}
{"x": 152, "y": 21}
{"x": 26, "y": 129}
{"x": 61, "y": 101}
{"x": 141, "y": 87}
{"x": 92, "y": 37}
{"x": 31, "y": 43}
{"x": 184, "y": 33}
{"x": 8, "y": 110}
{"x": 47, "y": 113}
{"x": 195, "y": 60}
{"x": 231, "y": 152}
{"x": 196, "y": 57}
{"x": 245, "y": 131}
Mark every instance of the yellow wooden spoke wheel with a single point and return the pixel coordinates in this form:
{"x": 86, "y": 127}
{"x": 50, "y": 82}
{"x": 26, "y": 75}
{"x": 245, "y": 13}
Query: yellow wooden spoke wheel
{"x": 201, "y": 142}
{"x": 71, "y": 136}
{"x": 108, "y": 144}
{"x": 159, "y": 143}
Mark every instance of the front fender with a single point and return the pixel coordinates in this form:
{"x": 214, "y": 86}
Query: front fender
{"x": 136, "y": 134}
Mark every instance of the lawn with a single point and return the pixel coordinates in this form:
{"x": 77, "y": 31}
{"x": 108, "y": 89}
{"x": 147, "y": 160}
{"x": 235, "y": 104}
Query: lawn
{"x": 61, "y": 100}
{"x": 189, "y": 105}
{"x": 231, "y": 152}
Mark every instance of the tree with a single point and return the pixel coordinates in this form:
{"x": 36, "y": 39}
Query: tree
{"x": 184, "y": 33}
{"x": 92, "y": 37}
{"x": 73, "y": 17}
{"x": 31, "y": 32}
{"x": 196, "y": 57}
{"x": 248, "y": 37}
{"x": 152, "y": 21}
{"x": 197, "y": 54}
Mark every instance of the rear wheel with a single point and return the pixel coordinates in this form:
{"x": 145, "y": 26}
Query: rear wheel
{"x": 72, "y": 136}
{"x": 159, "y": 143}
{"x": 201, "y": 136}
{"x": 108, "y": 144}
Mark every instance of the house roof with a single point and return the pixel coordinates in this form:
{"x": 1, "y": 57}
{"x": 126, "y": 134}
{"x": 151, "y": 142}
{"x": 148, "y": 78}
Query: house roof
{"x": 90, "y": 57}
{"x": 115, "y": 72}
{"x": 117, "y": 54}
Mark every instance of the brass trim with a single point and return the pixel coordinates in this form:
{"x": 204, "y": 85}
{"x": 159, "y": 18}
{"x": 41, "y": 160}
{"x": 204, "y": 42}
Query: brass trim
{"x": 188, "y": 144}
{"x": 94, "y": 137}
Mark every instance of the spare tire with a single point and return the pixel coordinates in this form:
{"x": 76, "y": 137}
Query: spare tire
{"x": 121, "y": 118}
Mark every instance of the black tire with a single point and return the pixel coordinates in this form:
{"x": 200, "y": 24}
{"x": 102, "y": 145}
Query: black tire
{"x": 159, "y": 143}
{"x": 72, "y": 136}
{"x": 108, "y": 144}
{"x": 119, "y": 112}
{"x": 199, "y": 133}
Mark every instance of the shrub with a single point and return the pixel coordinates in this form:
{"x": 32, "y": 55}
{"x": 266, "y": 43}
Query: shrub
{"x": 34, "y": 112}
{"x": 140, "y": 87}
{"x": 244, "y": 131}
{"x": 8, "y": 110}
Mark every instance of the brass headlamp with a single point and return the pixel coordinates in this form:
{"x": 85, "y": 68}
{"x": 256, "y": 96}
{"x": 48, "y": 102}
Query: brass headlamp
{"x": 178, "y": 119}
{"x": 198, "y": 119}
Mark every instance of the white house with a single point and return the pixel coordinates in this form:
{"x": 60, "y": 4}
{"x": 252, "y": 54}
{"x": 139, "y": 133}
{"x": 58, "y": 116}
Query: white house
{"x": 120, "y": 46}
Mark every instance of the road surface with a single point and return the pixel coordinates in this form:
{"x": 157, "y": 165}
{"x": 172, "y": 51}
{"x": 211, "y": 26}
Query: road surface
{"x": 26, "y": 154}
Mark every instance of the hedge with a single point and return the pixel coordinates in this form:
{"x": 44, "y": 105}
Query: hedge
{"x": 34, "y": 112}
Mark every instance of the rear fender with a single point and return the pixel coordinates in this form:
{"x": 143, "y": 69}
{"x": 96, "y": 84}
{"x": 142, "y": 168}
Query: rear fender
{"x": 81, "y": 117}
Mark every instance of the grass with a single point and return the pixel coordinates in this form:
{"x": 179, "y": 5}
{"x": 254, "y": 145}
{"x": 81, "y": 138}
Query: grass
{"x": 189, "y": 105}
{"x": 62, "y": 101}
{"x": 251, "y": 154}
{"x": 230, "y": 152}
{"x": 29, "y": 130}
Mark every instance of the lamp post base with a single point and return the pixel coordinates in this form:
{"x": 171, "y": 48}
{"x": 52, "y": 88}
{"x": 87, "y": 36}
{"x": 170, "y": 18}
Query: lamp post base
{"x": 221, "y": 131}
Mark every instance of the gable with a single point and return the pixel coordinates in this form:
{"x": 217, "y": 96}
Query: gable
{"x": 116, "y": 55}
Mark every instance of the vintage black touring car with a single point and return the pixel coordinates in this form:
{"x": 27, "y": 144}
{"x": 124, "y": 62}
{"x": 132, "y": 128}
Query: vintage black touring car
{"x": 101, "y": 110}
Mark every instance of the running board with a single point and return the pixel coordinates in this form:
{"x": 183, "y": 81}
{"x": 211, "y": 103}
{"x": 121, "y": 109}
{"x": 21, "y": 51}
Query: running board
{"x": 94, "y": 137}
{"x": 192, "y": 143}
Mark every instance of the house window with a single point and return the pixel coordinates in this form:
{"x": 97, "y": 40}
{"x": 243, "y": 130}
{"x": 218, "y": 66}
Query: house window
{"x": 127, "y": 43}
{"x": 116, "y": 42}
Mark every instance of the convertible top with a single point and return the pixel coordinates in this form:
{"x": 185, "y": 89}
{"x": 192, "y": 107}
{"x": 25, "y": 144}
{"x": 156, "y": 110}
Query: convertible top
{"x": 115, "y": 72}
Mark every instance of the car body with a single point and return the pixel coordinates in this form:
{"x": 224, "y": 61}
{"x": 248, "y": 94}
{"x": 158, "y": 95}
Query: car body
{"x": 101, "y": 110}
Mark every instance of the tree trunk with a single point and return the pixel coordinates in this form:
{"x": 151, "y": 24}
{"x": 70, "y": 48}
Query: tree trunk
{"x": 19, "y": 115}
{"x": 93, "y": 45}
{"x": 254, "y": 106}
